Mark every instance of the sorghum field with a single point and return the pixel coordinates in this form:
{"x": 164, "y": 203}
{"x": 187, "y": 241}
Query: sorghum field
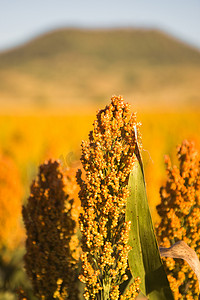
{"x": 58, "y": 223}
{"x": 27, "y": 141}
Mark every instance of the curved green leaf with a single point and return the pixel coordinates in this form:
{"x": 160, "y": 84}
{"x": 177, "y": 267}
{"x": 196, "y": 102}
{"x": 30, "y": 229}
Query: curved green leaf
{"x": 144, "y": 258}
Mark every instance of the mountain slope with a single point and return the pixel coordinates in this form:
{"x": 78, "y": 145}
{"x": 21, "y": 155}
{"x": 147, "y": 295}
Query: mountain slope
{"x": 67, "y": 68}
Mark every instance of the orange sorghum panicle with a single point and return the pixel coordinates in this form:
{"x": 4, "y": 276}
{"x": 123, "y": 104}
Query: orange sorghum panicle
{"x": 51, "y": 245}
{"x": 107, "y": 158}
{"x": 180, "y": 217}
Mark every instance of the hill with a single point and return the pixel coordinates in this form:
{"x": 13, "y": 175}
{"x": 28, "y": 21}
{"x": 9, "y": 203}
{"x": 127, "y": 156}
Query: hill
{"x": 71, "y": 69}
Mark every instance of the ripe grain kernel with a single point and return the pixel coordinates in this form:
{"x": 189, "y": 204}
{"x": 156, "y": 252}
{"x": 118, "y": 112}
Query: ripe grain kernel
{"x": 107, "y": 159}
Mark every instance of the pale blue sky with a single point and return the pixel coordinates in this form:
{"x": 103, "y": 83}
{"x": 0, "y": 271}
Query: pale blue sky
{"x": 20, "y": 20}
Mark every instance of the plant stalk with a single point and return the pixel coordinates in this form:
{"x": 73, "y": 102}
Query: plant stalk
{"x": 106, "y": 289}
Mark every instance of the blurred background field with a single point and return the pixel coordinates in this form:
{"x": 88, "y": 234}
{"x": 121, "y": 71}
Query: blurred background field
{"x": 52, "y": 87}
{"x": 50, "y": 90}
{"x": 29, "y": 140}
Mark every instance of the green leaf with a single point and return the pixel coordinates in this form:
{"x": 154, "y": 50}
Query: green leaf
{"x": 144, "y": 258}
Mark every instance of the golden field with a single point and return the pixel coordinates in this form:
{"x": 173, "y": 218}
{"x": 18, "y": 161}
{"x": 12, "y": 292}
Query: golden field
{"x": 29, "y": 140}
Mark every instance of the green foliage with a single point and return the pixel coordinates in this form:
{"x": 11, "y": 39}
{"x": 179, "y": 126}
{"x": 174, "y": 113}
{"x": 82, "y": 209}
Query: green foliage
{"x": 144, "y": 258}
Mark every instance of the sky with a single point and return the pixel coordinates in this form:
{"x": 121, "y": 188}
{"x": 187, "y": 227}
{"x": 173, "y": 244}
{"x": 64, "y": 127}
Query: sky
{"x": 22, "y": 20}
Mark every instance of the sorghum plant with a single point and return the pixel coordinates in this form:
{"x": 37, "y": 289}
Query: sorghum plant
{"x": 107, "y": 158}
{"x": 180, "y": 217}
{"x": 51, "y": 245}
